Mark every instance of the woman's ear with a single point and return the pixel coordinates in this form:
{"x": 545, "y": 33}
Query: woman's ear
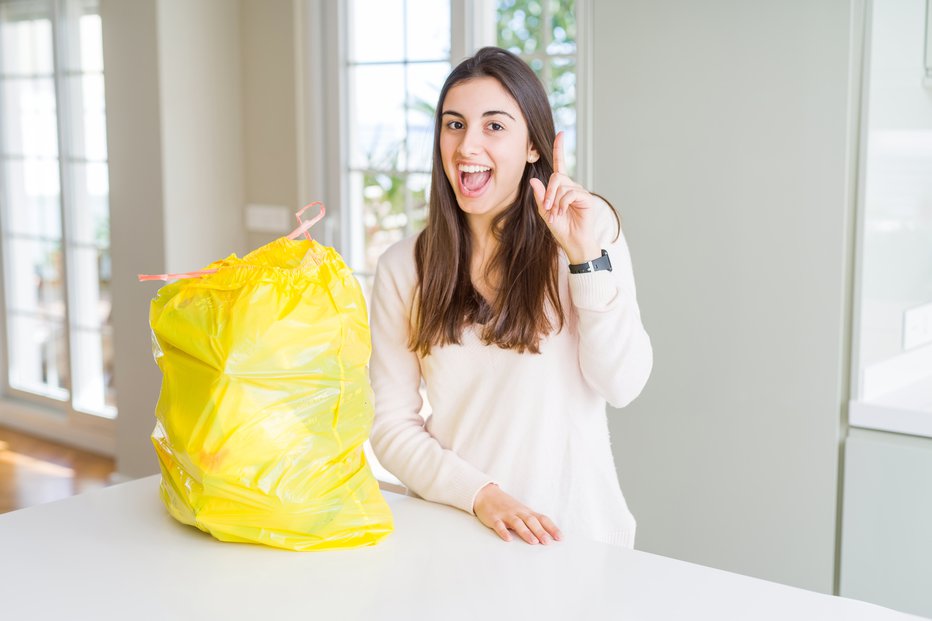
{"x": 532, "y": 155}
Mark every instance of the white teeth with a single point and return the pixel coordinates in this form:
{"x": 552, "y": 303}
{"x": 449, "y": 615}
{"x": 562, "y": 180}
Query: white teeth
{"x": 473, "y": 169}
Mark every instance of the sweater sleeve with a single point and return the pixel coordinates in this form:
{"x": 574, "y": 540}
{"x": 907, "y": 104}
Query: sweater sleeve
{"x": 615, "y": 353}
{"x": 399, "y": 438}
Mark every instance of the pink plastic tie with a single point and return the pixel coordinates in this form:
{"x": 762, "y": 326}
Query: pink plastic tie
{"x": 304, "y": 227}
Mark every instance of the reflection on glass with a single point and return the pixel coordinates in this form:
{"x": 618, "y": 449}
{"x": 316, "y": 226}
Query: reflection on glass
{"x": 37, "y": 355}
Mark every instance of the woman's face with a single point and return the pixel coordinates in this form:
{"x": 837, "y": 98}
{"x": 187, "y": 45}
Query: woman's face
{"x": 484, "y": 145}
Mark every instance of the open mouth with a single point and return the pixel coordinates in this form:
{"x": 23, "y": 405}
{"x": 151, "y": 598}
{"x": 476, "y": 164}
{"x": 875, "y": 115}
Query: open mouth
{"x": 473, "y": 179}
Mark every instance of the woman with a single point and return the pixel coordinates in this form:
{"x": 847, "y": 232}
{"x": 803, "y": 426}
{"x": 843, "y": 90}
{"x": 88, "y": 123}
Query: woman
{"x": 516, "y": 306}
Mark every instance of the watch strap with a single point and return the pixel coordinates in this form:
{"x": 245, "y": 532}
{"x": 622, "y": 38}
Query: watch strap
{"x": 602, "y": 263}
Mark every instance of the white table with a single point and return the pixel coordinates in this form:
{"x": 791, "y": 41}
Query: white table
{"x": 116, "y": 554}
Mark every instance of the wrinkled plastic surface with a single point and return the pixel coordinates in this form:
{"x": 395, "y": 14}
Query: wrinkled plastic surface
{"x": 266, "y": 403}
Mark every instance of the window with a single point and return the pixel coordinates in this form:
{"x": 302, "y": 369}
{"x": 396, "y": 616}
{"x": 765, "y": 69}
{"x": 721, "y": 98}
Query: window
{"x": 543, "y": 33}
{"x": 892, "y": 340}
{"x": 393, "y": 83}
{"x": 55, "y": 209}
{"x": 398, "y": 54}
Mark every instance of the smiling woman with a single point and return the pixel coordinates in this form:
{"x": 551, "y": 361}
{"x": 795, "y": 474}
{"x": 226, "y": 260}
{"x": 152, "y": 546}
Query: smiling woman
{"x": 519, "y": 329}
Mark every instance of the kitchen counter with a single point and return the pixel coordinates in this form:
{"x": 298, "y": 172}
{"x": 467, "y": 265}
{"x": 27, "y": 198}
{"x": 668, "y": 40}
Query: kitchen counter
{"x": 116, "y": 554}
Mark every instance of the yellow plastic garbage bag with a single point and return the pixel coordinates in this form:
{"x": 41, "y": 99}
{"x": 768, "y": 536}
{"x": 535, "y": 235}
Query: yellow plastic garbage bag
{"x": 266, "y": 403}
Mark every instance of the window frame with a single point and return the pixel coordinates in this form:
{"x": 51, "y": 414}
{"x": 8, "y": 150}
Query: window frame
{"x": 24, "y": 410}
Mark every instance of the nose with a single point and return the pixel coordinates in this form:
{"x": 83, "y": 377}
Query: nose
{"x": 471, "y": 144}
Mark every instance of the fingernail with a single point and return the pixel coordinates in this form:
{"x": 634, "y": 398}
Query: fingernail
{"x": 546, "y": 539}
{"x": 534, "y": 541}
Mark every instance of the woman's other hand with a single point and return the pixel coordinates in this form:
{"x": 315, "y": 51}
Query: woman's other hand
{"x": 499, "y": 511}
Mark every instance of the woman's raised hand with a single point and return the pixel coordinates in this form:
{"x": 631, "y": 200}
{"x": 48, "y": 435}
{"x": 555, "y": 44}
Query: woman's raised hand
{"x": 568, "y": 210}
{"x": 499, "y": 511}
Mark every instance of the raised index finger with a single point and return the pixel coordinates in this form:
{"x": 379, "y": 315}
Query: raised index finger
{"x": 559, "y": 164}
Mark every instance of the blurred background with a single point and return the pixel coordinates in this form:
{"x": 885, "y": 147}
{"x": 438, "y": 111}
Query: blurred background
{"x": 772, "y": 164}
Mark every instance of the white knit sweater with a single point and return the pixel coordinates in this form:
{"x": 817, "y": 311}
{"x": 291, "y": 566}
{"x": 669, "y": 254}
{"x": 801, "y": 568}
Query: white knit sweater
{"x": 533, "y": 423}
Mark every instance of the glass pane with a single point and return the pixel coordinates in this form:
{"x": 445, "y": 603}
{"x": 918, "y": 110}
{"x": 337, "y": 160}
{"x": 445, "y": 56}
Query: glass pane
{"x": 26, "y": 38}
{"x": 90, "y": 204}
{"x": 37, "y": 355}
{"x": 29, "y": 123}
{"x": 31, "y": 198}
{"x": 562, "y": 90}
{"x": 376, "y": 30}
{"x": 419, "y": 190}
{"x": 563, "y": 27}
{"x": 34, "y": 277}
{"x": 378, "y": 124}
{"x": 82, "y": 47}
{"x": 519, "y": 25}
{"x": 89, "y": 276}
{"x": 88, "y": 119}
{"x": 428, "y": 30}
{"x": 424, "y": 83}
{"x": 93, "y": 372}
{"x": 384, "y": 214}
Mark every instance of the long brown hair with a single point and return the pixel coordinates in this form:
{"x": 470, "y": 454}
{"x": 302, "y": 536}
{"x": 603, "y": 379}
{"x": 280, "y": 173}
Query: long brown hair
{"x": 525, "y": 261}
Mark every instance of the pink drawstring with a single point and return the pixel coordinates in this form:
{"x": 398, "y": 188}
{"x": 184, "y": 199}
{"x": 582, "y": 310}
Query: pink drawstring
{"x": 143, "y": 277}
{"x": 303, "y": 227}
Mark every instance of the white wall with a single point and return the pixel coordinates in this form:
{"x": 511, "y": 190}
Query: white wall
{"x": 722, "y": 137}
{"x": 137, "y": 219}
{"x": 202, "y": 130}
{"x": 269, "y": 107}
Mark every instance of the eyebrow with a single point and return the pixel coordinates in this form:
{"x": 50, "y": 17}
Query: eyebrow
{"x": 484, "y": 114}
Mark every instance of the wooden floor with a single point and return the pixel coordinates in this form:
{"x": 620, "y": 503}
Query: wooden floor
{"x": 34, "y": 471}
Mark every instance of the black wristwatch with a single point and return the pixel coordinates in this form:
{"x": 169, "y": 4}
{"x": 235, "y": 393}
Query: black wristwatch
{"x": 602, "y": 263}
